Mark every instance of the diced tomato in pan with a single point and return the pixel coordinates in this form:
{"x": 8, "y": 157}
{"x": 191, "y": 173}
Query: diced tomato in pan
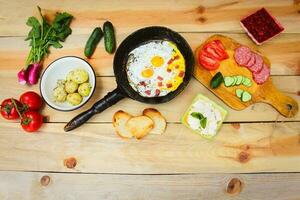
{"x": 148, "y": 92}
{"x": 169, "y": 85}
{"x": 157, "y": 92}
{"x": 160, "y": 78}
{"x": 181, "y": 74}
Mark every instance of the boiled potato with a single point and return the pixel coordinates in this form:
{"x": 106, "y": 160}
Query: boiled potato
{"x": 60, "y": 94}
{"x": 70, "y": 76}
{"x": 79, "y": 76}
{"x": 61, "y": 82}
{"x": 71, "y": 86}
{"x": 74, "y": 99}
{"x": 84, "y": 89}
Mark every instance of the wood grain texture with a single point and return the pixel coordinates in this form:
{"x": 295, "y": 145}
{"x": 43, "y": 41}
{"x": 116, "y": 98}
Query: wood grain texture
{"x": 266, "y": 92}
{"x": 283, "y": 51}
{"x": 259, "y": 112}
{"x": 27, "y": 186}
{"x": 127, "y": 16}
{"x": 253, "y": 147}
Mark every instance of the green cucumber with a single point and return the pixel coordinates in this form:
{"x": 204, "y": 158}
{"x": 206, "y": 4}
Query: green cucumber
{"x": 239, "y": 80}
{"x": 216, "y": 80}
{"x": 109, "y": 37}
{"x": 228, "y": 80}
{"x": 246, "y": 96}
{"x": 92, "y": 42}
{"x": 247, "y": 82}
{"x": 239, "y": 92}
{"x": 235, "y": 79}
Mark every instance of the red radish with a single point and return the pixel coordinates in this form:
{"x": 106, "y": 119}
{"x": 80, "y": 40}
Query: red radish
{"x": 33, "y": 73}
{"x": 23, "y": 76}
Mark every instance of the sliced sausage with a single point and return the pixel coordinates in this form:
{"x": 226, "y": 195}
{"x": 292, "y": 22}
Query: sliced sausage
{"x": 242, "y": 55}
{"x": 258, "y": 65}
{"x": 251, "y": 61}
{"x": 262, "y": 76}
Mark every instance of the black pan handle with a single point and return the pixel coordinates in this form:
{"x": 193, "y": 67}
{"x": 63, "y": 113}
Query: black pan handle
{"x": 110, "y": 99}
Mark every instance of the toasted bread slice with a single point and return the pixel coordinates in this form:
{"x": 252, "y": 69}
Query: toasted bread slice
{"x": 160, "y": 122}
{"x": 139, "y": 126}
{"x": 120, "y": 118}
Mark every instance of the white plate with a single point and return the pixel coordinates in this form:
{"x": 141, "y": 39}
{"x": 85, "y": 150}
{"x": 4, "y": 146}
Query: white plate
{"x": 59, "y": 69}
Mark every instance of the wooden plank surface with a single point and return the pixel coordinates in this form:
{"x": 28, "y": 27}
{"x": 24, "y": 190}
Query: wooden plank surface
{"x": 284, "y": 52}
{"x": 255, "y": 113}
{"x": 108, "y": 167}
{"x": 28, "y": 186}
{"x": 184, "y": 15}
{"x": 252, "y": 147}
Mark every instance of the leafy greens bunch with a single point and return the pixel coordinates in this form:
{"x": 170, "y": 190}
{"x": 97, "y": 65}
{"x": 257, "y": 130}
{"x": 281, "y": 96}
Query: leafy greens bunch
{"x": 41, "y": 36}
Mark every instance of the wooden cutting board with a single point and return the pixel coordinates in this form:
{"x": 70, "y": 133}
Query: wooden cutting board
{"x": 266, "y": 92}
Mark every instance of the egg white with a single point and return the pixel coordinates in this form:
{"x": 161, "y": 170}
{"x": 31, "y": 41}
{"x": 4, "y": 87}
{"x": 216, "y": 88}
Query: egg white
{"x": 140, "y": 58}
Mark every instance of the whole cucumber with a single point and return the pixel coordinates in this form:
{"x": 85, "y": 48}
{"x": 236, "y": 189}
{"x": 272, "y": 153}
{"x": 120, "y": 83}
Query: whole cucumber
{"x": 92, "y": 42}
{"x": 109, "y": 37}
{"x": 216, "y": 80}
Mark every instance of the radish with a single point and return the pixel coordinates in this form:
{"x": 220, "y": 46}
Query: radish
{"x": 43, "y": 35}
{"x": 23, "y": 76}
{"x": 33, "y": 73}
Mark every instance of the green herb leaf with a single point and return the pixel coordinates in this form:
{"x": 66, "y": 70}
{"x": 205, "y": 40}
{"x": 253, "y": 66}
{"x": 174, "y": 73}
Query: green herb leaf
{"x": 197, "y": 115}
{"x": 35, "y": 31}
{"x": 33, "y": 22}
{"x": 62, "y": 20}
{"x": 203, "y": 122}
{"x": 55, "y": 44}
{"x": 46, "y": 34}
{"x": 64, "y": 34}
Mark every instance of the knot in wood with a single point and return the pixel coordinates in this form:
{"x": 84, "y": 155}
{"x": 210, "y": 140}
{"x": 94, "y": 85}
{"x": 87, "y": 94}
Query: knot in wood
{"x": 70, "y": 162}
{"x": 45, "y": 180}
{"x": 234, "y": 186}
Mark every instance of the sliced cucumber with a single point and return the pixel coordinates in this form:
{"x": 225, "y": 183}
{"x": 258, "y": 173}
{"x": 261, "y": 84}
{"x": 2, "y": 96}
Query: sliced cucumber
{"x": 234, "y": 80}
{"x": 228, "y": 80}
{"x": 247, "y": 82}
{"x": 246, "y": 96}
{"x": 239, "y": 92}
{"x": 239, "y": 80}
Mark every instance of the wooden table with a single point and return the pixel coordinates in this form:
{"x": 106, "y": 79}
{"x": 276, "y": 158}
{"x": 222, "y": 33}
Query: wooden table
{"x": 255, "y": 156}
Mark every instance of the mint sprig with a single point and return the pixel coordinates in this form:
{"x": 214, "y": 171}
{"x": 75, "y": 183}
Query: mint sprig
{"x": 203, "y": 120}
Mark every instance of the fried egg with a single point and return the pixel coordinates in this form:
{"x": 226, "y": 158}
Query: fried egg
{"x": 155, "y": 68}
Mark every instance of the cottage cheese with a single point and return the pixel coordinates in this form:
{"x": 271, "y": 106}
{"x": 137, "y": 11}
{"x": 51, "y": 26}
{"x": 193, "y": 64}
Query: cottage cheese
{"x": 208, "y": 110}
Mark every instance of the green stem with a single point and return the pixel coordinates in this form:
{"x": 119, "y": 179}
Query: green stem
{"x": 34, "y": 49}
{"x": 16, "y": 106}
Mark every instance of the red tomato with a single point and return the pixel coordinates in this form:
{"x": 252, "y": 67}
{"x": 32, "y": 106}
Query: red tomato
{"x": 207, "y": 62}
{"x": 212, "y": 52}
{"x": 31, "y": 121}
{"x": 8, "y": 109}
{"x": 31, "y": 100}
{"x": 219, "y": 49}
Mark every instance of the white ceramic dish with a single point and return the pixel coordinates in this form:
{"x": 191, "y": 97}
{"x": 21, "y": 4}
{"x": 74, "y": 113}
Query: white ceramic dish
{"x": 59, "y": 69}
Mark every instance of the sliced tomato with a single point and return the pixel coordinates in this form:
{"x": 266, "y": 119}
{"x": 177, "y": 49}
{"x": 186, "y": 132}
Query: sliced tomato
{"x": 213, "y": 53}
{"x": 207, "y": 62}
{"x": 220, "y": 49}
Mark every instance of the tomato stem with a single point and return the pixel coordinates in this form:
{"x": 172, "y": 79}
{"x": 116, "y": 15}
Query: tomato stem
{"x": 16, "y": 106}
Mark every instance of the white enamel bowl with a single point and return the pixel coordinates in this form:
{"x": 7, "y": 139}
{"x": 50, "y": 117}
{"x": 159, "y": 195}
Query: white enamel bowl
{"x": 59, "y": 69}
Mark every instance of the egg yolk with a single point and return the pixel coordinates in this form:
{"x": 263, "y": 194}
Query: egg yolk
{"x": 147, "y": 73}
{"x": 157, "y": 61}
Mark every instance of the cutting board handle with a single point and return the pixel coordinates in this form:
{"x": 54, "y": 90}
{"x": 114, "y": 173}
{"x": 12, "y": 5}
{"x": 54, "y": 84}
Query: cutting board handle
{"x": 286, "y": 105}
